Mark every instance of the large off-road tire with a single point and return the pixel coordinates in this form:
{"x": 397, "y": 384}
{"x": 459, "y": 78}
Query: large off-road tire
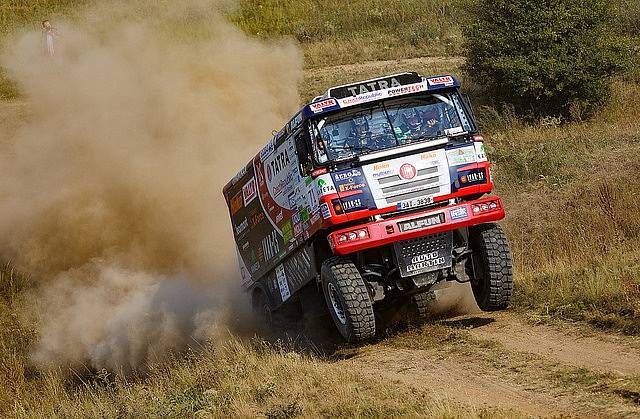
{"x": 491, "y": 268}
{"x": 348, "y": 299}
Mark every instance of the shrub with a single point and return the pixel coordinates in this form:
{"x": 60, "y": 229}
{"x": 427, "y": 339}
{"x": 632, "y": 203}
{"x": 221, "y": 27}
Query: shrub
{"x": 545, "y": 57}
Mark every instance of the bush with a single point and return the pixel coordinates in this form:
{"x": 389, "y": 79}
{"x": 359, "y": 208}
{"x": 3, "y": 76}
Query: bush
{"x": 544, "y": 57}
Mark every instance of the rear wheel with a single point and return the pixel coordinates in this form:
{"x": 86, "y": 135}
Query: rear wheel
{"x": 263, "y": 313}
{"x": 348, "y": 299}
{"x": 490, "y": 267}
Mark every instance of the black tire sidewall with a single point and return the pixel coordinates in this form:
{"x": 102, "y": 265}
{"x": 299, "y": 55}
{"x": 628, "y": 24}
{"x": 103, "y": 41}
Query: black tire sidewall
{"x": 327, "y": 277}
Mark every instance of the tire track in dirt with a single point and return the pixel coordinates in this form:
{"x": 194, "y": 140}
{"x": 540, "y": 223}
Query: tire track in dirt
{"x": 596, "y": 351}
{"x": 521, "y": 376}
{"x": 446, "y": 378}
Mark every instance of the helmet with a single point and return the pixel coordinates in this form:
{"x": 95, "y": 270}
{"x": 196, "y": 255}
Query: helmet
{"x": 412, "y": 118}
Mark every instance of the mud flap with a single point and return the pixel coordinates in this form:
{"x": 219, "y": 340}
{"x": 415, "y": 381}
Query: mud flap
{"x": 424, "y": 254}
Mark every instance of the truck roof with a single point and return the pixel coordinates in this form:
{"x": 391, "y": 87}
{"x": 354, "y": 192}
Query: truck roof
{"x": 345, "y": 96}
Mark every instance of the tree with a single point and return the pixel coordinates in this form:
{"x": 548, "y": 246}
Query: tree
{"x": 544, "y": 57}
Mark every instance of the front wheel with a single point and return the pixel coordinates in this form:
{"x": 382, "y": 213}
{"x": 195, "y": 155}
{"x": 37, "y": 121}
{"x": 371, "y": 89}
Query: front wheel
{"x": 490, "y": 267}
{"x": 348, "y": 299}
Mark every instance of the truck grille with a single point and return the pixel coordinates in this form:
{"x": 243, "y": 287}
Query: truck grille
{"x": 396, "y": 189}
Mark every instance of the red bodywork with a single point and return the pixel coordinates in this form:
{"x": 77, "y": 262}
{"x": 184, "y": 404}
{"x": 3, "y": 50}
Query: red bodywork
{"x": 387, "y": 231}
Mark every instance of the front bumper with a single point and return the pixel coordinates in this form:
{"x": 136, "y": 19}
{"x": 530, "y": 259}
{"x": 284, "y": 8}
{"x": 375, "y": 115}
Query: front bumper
{"x": 417, "y": 224}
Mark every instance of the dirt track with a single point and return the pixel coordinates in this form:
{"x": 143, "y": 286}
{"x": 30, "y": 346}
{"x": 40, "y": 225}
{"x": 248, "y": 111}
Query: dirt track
{"x": 503, "y": 361}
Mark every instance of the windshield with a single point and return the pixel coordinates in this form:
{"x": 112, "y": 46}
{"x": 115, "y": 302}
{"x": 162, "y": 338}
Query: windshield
{"x": 388, "y": 124}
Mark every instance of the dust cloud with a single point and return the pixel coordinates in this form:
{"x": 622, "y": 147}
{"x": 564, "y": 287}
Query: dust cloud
{"x": 110, "y": 195}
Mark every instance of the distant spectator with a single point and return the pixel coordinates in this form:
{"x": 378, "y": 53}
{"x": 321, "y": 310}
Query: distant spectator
{"x": 49, "y": 34}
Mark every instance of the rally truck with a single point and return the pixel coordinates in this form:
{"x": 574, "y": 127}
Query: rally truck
{"x": 369, "y": 196}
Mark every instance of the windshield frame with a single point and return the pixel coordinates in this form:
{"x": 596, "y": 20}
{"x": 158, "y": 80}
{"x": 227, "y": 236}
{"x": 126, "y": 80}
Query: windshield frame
{"x": 464, "y": 116}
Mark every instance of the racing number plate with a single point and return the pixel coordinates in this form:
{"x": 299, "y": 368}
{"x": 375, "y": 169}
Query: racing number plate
{"x": 424, "y": 254}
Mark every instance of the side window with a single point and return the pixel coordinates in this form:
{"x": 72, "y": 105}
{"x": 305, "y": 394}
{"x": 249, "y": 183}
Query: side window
{"x": 303, "y": 151}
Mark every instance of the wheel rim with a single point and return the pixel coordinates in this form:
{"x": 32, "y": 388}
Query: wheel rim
{"x": 338, "y": 310}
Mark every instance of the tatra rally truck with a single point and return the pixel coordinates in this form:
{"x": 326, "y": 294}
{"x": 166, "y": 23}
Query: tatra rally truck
{"x": 369, "y": 196}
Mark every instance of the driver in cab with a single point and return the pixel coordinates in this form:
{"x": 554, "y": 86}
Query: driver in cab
{"x": 415, "y": 125}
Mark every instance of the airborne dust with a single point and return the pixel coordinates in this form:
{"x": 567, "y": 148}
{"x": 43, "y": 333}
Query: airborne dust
{"x": 110, "y": 195}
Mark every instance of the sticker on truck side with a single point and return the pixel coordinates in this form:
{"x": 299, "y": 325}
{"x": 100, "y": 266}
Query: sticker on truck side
{"x": 285, "y": 293}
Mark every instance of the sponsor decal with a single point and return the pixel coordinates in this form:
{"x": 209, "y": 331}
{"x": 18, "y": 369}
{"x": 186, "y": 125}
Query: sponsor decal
{"x": 287, "y": 232}
{"x": 249, "y": 191}
{"x": 255, "y": 267}
{"x": 383, "y": 173}
{"x": 268, "y": 149}
{"x": 347, "y": 175}
{"x": 279, "y": 217}
{"x": 297, "y": 229}
{"x": 352, "y": 205}
{"x": 351, "y": 186}
{"x": 404, "y": 90}
{"x": 319, "y": 106}
{"x": 297, "y": 119}
{"x": 271, "y": 245}
{"x": 408, "y": 171}
{"x": 245, "y": 246}
{"x": 239, "y": 175}
{"x": 446, "y": 80}
{"x": 304, "y": 215}
{"x": 426, "y": 261}
{"x": 236, "y": 203}
{"x": 283, "y": 286}
{"x": 372, "y": 86}
{"x": 459, "y": 213}
{"x": 241, "y": 227}
{"x": 369, "y": 86}
{"x": 380, "y": 166}
{"x": 481, "y": 155}
{"x": 324, "y": 209}
{"x": 361, "y": 98}
{"x": 325, "y": 187}
{"x": 471, "y": 177}
{"x": 279, "y": 162}
{"x": 256, "y": 219}
{"x": 422, "y": 222}
{"x": 462, "y": 155}
{"x": 428, "y": 155}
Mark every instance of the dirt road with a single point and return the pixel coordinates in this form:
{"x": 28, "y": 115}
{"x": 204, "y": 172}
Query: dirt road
{"x": 504, "y": 361}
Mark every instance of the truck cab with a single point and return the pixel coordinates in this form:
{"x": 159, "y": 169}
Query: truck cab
{"x": 388, "y": 194}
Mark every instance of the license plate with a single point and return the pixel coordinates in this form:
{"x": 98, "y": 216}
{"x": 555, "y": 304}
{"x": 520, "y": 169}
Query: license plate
{"x": 403, "y": 205}
{"x": 424, "y": 254}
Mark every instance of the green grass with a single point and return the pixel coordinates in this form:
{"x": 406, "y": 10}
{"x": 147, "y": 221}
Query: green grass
{"x": 339, "y": 32}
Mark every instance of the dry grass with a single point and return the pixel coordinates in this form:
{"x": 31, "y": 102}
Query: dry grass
{"x": 239, "y": 379}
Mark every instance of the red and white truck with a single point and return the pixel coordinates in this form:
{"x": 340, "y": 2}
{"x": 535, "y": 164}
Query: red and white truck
{"x": 370, "y": 195}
